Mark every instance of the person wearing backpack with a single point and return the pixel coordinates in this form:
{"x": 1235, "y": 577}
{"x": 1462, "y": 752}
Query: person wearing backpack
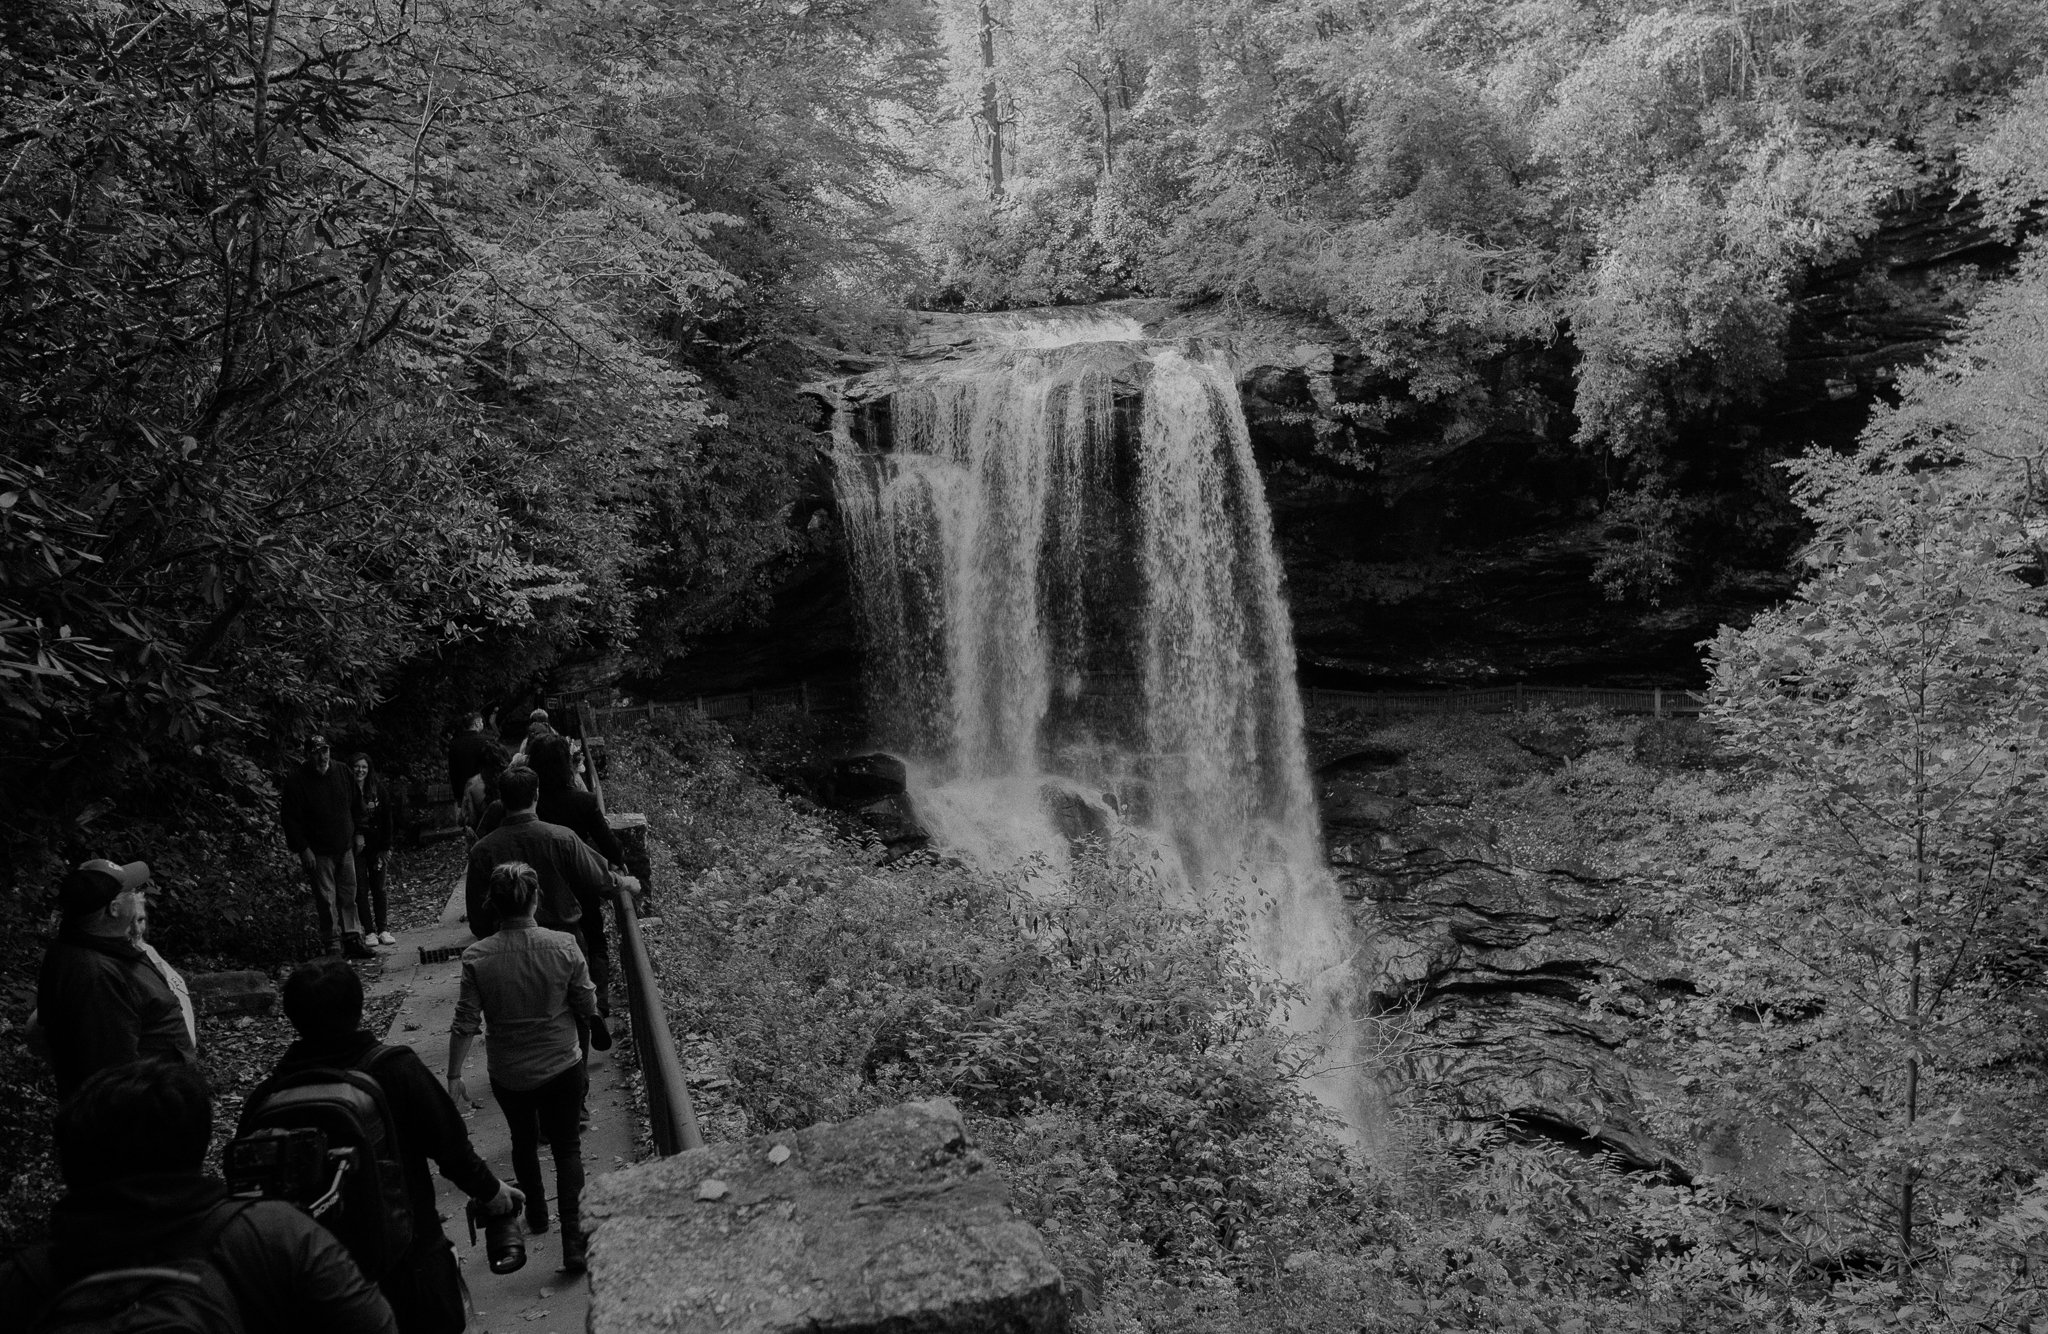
{"x": 530, "y": 984}
{"x": 142, "y": 1234}
{"x": 324, "y": 1002}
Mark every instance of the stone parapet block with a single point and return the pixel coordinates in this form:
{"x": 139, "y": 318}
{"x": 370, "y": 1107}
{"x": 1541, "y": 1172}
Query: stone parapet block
{"x": 887, "y": 1223}
{"x": 631, "y": 831}
{"x": 243, "y": 991}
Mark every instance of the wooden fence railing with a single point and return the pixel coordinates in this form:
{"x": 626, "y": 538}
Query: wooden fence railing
{"x": 1615, "y": 699}
{"x": 844, "y": 696}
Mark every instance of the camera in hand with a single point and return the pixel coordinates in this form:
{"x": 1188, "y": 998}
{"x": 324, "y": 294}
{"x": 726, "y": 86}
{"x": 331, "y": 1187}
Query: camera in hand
{"x": 504, "y": 1238}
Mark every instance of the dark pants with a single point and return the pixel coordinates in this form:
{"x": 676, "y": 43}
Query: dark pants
{"x": 425, "y": 1287}
{"x": 370, "y": 891}
{"x": 550, "y": 1112}
{"x": 596, "y": 951}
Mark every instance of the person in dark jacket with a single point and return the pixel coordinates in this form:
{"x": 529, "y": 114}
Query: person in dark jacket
{"x": 537, "y": 726}
{"x": 321, "y": 812}
{"x": 563, "y": 803}
{"x": 99, "y": 1000}
{"x": 570, "y": 873}
{"x": 469, "y": 753}
{"x": 380, "y": 825}
{"x": 324, "y": 1001}
{"x": 130, "y": 1145}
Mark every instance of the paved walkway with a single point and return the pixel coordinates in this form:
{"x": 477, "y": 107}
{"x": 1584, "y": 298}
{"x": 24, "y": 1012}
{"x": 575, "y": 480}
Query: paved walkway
{"x": 540, "y": 1298}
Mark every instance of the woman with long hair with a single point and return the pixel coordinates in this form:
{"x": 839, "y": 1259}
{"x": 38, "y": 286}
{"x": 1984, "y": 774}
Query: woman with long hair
{"x": 380, "y": 822}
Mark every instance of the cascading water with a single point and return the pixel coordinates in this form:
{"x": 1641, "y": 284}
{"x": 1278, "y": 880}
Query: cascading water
{"x": 1069, "y": 597}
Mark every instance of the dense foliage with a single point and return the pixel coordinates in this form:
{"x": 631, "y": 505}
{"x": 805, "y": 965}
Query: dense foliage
{"x": 1640, "y": 186}
{"x": 366, "y": 350}
{"x": 1114, "y": 1056}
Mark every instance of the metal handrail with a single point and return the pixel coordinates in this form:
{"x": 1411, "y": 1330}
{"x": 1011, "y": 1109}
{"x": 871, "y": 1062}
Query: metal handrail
{"x": 669, "y": 1109}
{"x": 840, "y": 695}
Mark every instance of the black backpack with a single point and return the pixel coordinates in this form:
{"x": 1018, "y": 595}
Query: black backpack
{"x": 324, "y": 1140}
{"x": 184, "y": 1295}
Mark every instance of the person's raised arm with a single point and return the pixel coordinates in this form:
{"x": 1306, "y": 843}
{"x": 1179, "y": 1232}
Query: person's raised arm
{"x": 587, "y": 873}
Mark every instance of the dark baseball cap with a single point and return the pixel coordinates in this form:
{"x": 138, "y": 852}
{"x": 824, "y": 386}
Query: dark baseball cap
{"x": 97, "y": 883}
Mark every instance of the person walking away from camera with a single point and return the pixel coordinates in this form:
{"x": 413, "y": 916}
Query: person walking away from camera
{"x": 526, "y": 986}
{"x": 537, "y": 726}
{"x": 469, "y": 752}
{"x": 562, "y": 803}
{"x": 570, "y": 873}
{"x": 380, "y": 824}
{"x": 321, "y": 812}
{"x": 131, "y": 1146}
{"x": 324, "y": 1002}
{"x": 480, "y": 802}
{"x": 100, "y": 999}
{"x": 493, "y": 813}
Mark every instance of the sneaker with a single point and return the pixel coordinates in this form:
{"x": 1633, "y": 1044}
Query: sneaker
{"x": 352, "y": 947}
{"x": 575, "y": 1250}
{"x": 386, "y": 938}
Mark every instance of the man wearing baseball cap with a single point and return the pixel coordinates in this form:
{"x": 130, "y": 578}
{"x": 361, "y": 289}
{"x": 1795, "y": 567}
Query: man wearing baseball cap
{"x": 322, "y": 814}
{"x": 100, "y": 1000}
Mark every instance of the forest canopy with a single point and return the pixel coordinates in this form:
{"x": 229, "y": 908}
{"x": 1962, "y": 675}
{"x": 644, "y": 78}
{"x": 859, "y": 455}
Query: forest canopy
{"x": 381, "y": 354}
{"x": 366, "y": 356}
{"x": 1641, "y": 187}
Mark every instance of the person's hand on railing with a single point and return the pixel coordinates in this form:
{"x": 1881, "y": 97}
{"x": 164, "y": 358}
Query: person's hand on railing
{"x": 623, "y": 884}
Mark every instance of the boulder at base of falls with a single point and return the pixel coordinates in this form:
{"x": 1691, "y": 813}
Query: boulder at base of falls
{"x": 890, "y": 1222}
{"x": 892, "y": 820}
{"x": 858, "y": 779}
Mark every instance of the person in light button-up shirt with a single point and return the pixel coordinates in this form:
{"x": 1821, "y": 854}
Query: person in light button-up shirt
{"x": 526, "y": 985}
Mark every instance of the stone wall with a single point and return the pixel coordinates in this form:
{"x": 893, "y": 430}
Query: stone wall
{"x": 888, "y": 1223}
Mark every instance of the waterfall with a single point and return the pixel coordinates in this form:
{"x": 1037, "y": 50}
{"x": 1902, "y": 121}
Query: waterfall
{"x": 1069, "y": 596}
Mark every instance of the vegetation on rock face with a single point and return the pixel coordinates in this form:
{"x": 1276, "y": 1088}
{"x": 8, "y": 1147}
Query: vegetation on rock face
{"x": 1113, "y": 1055}
{"x": 1444, "y": 181}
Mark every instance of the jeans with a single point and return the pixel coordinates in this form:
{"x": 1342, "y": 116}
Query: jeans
{"x": 333, "y": 882}
{"x": 370, "y": 910}
{"x": 551, "y": 1112}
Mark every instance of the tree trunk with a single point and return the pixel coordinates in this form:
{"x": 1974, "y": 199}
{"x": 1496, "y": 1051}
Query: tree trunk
{"x": 991, "y": 105}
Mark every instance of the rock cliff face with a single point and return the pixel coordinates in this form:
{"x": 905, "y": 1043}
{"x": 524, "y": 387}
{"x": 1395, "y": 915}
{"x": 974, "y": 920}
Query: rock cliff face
{"x": 1454, "y": 542}
{"x": 1492, "y": 960}
{"x": 1512, "y": 877}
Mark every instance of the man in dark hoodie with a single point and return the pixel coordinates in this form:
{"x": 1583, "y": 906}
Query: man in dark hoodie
{"x": 321, "y": 812}
{"x": 131, "y": 1144}
{"x": 100, "y": 1001}
{"x": 324, "y": 1001}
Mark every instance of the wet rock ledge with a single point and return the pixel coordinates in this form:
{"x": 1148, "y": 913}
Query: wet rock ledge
{"x": 1490, "y": 965}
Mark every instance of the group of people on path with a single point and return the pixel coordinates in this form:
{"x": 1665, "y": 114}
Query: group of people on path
{"x": 135, "y": 1114}
{"x": 339, "y": 822}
